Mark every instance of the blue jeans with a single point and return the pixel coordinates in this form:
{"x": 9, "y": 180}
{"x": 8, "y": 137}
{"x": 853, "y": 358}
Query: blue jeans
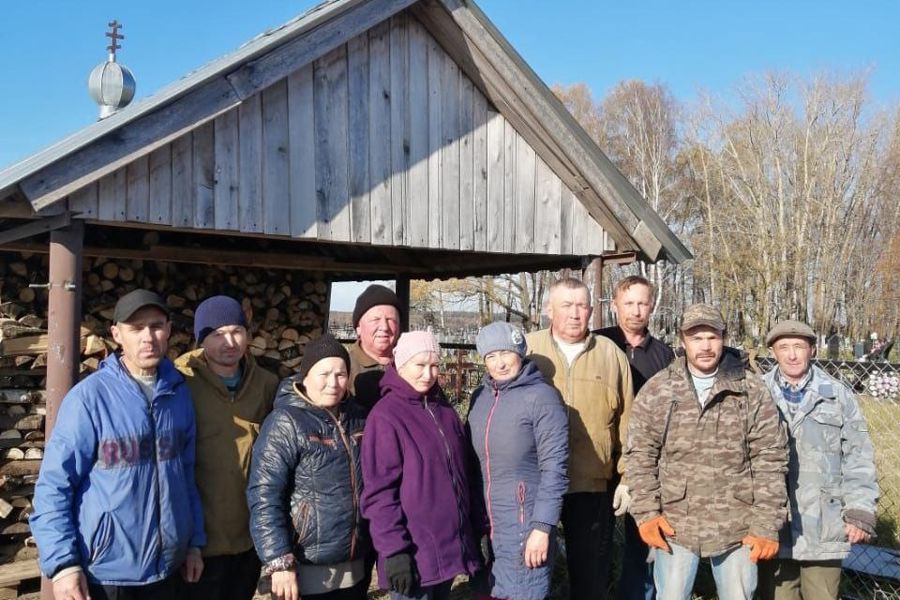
{"x": 438, "y": 591}
{"x": 674, "y": 573}
{"x": 636, "y": 580}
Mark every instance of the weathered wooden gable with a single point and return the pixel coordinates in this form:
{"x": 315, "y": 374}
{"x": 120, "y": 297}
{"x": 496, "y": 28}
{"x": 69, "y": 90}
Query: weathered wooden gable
{"x": 382, "y": 140}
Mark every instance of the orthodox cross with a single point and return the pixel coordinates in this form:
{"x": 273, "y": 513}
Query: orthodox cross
{"x": 114, "y": 36}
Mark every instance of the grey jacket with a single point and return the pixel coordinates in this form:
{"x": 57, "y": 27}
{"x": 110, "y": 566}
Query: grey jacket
{"x": 831, "y": 473}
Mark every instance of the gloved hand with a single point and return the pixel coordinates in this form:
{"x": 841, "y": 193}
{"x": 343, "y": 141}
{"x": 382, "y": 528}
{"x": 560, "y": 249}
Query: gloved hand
{"x": 621, "y": 500}
{"x": 401, "y": 573}
{"x": 487, "y": 550}
{"x": 654, "y": 532}
{"x": 760, "y": 548}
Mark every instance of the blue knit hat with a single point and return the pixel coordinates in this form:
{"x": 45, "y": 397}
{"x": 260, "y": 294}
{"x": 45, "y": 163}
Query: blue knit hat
{"x": 215, "y": 312}
{"x": 500, "y": 336}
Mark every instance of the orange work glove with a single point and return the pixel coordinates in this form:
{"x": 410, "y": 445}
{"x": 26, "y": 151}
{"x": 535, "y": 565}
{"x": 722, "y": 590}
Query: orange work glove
{"x": 760, "y": 548}
{"x": 654, "y": 532}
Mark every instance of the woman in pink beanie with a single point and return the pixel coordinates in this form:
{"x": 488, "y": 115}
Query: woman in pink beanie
{"x": 415, "y": 462}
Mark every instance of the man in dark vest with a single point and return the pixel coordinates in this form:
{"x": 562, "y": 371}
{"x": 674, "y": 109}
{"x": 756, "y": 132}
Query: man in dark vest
{"x": 633, "y": 302}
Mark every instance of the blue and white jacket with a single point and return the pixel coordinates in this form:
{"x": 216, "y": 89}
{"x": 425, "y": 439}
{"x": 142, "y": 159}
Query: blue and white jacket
{"x": 116, "y": 493}
{"x": 831, "y": 473}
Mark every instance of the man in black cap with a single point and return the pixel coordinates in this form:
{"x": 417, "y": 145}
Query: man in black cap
{"x": 376, "y": 318}
{"x": 116, "y": 508}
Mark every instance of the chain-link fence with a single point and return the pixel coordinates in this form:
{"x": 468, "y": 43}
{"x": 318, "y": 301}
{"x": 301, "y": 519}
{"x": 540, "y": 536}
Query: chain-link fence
{"x": 871, "y": 572}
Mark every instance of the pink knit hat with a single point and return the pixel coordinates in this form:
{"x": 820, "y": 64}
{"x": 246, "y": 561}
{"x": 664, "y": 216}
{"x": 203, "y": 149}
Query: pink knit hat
{"x": 413, "y": 342}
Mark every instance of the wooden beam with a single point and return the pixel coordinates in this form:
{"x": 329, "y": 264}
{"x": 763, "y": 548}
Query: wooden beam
{"x": 235, "y": 258}
{"x": 402, "y": 285}
{"x": 33, "y": 228}
{"x": 262, "y": 72}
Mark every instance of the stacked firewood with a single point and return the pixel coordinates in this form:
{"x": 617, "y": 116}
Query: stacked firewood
{"x": 285, "y": 309}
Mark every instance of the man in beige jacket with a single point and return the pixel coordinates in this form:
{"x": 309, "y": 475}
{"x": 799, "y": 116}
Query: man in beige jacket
{"x": 232, "y": 395}
{"x": 594, "y": 379}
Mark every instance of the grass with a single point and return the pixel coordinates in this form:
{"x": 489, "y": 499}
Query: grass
{"x": 884, "y": 428}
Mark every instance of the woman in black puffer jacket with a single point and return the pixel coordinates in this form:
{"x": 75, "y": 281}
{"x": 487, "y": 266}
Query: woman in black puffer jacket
{"x": 305, "y": 482}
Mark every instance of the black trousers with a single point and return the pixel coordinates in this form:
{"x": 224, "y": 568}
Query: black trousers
{"x": 588, "y": 523}
{"x": 226, "y": 577}
{"x": 167, "y": 589}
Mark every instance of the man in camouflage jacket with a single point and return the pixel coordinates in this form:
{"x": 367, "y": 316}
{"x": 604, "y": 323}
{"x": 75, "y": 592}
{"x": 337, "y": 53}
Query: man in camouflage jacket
{"x": 706, "y": 457}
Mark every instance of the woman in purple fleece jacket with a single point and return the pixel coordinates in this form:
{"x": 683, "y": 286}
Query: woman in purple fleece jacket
{"x": 415, "y": 482}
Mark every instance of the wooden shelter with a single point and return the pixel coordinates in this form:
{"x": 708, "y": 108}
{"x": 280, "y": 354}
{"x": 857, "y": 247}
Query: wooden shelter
{"x": 363, "y": 139}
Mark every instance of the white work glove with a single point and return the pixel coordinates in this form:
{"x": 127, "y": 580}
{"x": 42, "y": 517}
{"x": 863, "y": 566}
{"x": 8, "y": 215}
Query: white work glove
{"x": 621, "y": 500}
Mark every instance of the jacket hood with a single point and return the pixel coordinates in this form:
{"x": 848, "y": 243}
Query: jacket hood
{"x": 168, "y": 377}
{"x": 529, "y": 374}
{"x": 392, "y": 383}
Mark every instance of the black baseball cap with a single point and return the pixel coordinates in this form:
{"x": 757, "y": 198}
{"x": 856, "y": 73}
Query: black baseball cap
{"x": 133, "y": 301}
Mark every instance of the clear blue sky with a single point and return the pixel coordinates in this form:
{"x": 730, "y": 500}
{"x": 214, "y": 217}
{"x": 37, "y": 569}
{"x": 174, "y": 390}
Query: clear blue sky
{"x": 50, "y": 46}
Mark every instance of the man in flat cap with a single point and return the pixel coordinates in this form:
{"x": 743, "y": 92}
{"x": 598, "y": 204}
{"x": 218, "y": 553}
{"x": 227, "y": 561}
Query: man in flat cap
{"x": 831, "y": 473}
{"x": 376, "y": 318}
{"x": 116, "y": 509}
{"x": 706, "y": 456}
{"x": 232, "y": 395}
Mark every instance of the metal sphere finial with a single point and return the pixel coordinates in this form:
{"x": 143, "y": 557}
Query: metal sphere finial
{"x": 111, "y": 84}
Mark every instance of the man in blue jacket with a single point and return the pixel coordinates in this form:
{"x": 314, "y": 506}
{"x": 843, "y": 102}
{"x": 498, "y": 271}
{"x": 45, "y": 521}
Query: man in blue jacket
{"x": 116, "y": 509}
{"x": 831, "y": 475}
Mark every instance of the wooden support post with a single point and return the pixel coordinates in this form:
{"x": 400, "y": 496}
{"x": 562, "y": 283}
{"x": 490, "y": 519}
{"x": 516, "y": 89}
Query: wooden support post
{"x": 597, "y": 300}
{"x": 403, "y": 295}
{"x": 64, "y": 320}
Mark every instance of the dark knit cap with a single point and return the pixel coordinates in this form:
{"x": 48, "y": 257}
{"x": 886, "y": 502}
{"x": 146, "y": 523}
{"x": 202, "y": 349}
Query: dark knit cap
{"x": 374, "y": 295}
{"x": 215, "y": 312}
{"x": 326, "y": 346}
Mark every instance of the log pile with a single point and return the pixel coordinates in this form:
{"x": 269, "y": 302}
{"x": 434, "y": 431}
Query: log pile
{"x": 286, "y": 309}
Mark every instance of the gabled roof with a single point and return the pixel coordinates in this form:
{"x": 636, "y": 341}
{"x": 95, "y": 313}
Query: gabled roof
{"x": 485, "y": 56}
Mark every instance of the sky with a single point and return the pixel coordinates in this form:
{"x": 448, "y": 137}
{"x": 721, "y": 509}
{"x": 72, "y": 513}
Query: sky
{"x": 50, "y": 47}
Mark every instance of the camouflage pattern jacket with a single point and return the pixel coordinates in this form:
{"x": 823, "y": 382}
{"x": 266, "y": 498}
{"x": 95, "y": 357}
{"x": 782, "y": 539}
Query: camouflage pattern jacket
{"x": 831, "y": 476}
{"x": 716, "y": 473}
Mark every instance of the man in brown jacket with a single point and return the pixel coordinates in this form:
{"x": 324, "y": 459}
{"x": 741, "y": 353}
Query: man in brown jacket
{"x": 232, "y": 395}
{"x": 376, "y": 318}
{"x": 594, "y": 379}
{"x": 706, "y": 458}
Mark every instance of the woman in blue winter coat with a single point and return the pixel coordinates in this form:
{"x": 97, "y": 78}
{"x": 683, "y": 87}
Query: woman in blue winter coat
{"x": 306, "y": 480}
{"x": 520, "y": 430}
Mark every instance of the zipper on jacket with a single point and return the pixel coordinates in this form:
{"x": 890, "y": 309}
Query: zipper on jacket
{"x": 520, "y": 498}
{"x": 353, "y": 482}
{"x": 456, "y": 486}
{"x": 152, "y": 414}
{"x": 487, "y": 458}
